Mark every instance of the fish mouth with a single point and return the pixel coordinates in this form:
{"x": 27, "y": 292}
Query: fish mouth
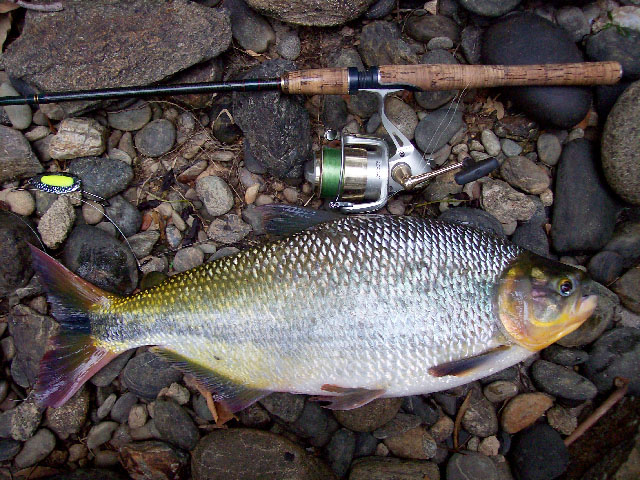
{"x": 584, "y": 308}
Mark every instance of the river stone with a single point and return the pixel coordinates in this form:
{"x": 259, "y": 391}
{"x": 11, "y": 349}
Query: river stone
{"x": 30, "y": 331}
{"x": 505, "y": 203}
{"x": 284, "y": 406}
{"x": 381, "y": 44}
{"x": 100, "y": 434}
{"x": 250, "y": 29}
{"x": 15, "y": 256}
{"x": 101, "y": 259}
{"x": 35, "y": 449}
{"x": 319, "y": 13}
{"x": 215, "y": 194}
{"x": 471, "y": 465}
{"x": 605, "y": 267}
{"x": 538, "y": 453}
{"x": 526, "y": 39}
{"x": 340, "y": 451}
{"x": 387, "y": 468}
{"x": 627, "y": 289}
{"x": 584, "y": 213}
{"x": 145, "y": 41}
{"x": 480, "y": 419}
{"x": 490, "y": 8}
{"x": 500, "y": 390}
{"x": 69, "y": 418}
{"x": 567, "y": 357}
{"x": 436, "y": 98}
{"x": 175, "y": 425}
{"x": 156, "y": 138}
{"x": 613, "y": 45}
{"x": 620, "y": 154}
{"x": 276, "y": 127}
{"x": 523, "y": 410}
{"x": 21, "y": 422}
{"x": 417, "y": 444}
{"x": 9, "y": 448}
{"x": 363, "y": 104}
{"x": 154, "y": 459}
{"x": 78, "y": 137}
{"x": 130, "y": 118}
{"x": 245, "y": 453}
{"x": 615, "y": 354}
{"x": 522, "y": 173}
{"x": 371, "y": 416}
{"x": 562, "y": 382}
{"x": 19, "y": 115}
{"x": 437, "y": 128}
{"x": 109, "y": 373}
{"x": 127, "y": 217}
{"x": 626, "y": 242}
{"x": 147, "y": 374}
{"x": 228, "y": 229}
{"x": 102, "y": 176}
{"x": 17, "y": 160}
{"x": 423, "y": 26}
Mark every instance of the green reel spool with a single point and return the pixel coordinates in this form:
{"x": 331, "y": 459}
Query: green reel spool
{"x": 331, "y": 172}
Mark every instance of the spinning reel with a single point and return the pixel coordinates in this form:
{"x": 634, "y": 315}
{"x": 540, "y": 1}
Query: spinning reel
{"x": 360, "y": 176}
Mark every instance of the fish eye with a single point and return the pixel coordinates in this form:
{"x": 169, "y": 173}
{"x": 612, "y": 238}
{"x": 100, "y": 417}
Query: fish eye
{"x": 565, "y": 287}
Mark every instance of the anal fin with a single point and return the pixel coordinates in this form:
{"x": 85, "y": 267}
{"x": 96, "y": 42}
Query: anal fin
{"x": 465, "y": 366}
{"x": 346, "y": 398}
{"x": 233, "y": 395}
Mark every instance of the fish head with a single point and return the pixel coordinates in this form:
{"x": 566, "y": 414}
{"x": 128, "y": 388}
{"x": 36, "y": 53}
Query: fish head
{"x": 540, "y": 301}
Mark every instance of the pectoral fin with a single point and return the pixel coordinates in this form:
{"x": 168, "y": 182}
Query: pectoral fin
{"x": 465, "y": 366}
{"x": 285, "y": 219}
{"x": 346, "y": 398}
{"x": 224, "y": 390}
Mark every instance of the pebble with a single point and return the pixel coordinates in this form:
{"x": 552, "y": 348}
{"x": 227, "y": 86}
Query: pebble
{"x": 626, "y": 242}
{"x": 480, "y": 418}
{"x": 35, "y": 449}
{"x": 549, "y": 149}
{"x": 491, "y": 8}
{"x": 574, "y": 21}
{"x": 92, "y": 212}
{"x": 615, "y": 354}
{"x": 223, "y": 252}
{"x": 106, "y": 406}
{"x": 247, "y": 453}
{"x": 250, "y": 29}
{"x": 370, "y": 416}
{"x": 526, "y": 38}
{"x": 154, "y": 459}
{"x": 156, "y": 138}
{"x": 340, "y": 451}
{"x": 37, "y": 133}
{"x": 127, "y": 217}
{"x": 121, "y": 409}
{"x": 175, "y": 425}
{"x": 19, "y": 115}
{"x": 470, "y": 465}
{"x": 423, "y": 27}
{"x": 176, "y": 392}
{"x": 489, "y": 446}
{"x": 8, "y": 449}
{"x": 146, "y": 374}
{"x": 142, "y": 243}
{"x": 538, "y": 453}
{"x": 57, "y": 222}
{"x": 21, "y": 202}
{"x": 436, "y": 98}
{"x": 505, "y": 203}
{"x": 78, "y": 137}
{"x": 100, "y": 434}
{"x": 417, "y": 405}
{"x": 522, "y": 173}
{"x": 192, "y": 172}
{"x": 264, "y": 200}
{"x": 17, "y": 159}
{"x": 130, "y": 118}
{"x": 249, "y": 417}
{"x": 510, "y": 148}
{"x": 146, "y": 432}
{"x": 381, "y": 44}
{"x": 579, "y": 183}
{"x": 77, "y": 451}
{"x": 284, "y": 406}
{"x": 109, "y": 373}
{"x": 173, "y": 236}
{"x": 626, "y": 287}
{"x": 103, "y": 177}
{"x": 215, "y": 194}
{"x": 401, "y": 115}
{"x": 314, "y": 424}
{"x": 500, "y": 390}
{"x": 386, "y": 468}
{"x": 567, "y": 357}
{"x": 562, "y": 382}
{"x": 442, "y": 429}
{"x": 400, "y": 424}
{"x": 562, "y": 420}
{"x": 228, "y": 229}
{"x": 187, "y": 258}
{"x": 416, "y": 444}
{"x": 490, "y": 142}
{"x": 620, "y": 155}
{"x": 288, "y": 46}
{"x": 523, "y": 410}
{"x": 436, "y": 129}
{"x": 137, "y": 416}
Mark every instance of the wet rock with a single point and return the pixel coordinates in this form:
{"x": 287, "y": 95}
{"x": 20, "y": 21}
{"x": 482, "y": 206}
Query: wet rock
{"x": 480, "y": 418}
{"x": 101, "y": 259}
{"x": 604, "y": 267}
{"x": 109, "y": 373}
{"x": 241, "y": 453}
{"x": 526, "y": 39}
{"x": 615, "y": 354}
{"x": 100, "y": 434}
{"x": 626, "y": 243}
{"x": 20, "y": 422}
{"x": 8, "y": 449}
{"x": 611, "y": 44}
{"x": 102, "y": 176}
{"x": 538, "y": 453}
{"x": 627, "y": 289}
{"x": 228, "y": 229}
{"x": 154, "y": 459}
{"x": 416, "y": 444}
{"x": 56, "y": 223}
{"x": 607, "y": 95}
{"x": 381, "y": 468}
{"x": 30, "y": 332}
{"x": 314, "y": 424}
{"x": 522, "y": 173}
{"x": 340, "y": 451}
{"x": 567, "y": 357}
{"x": 130, "y": 118}
{"x": 125, "y": 215}
{"x": 284, "y": 406}
{"x": 365, "y": 445}
{"x": 620, "y": 157}
{"x": 578, "y": 183}
{"x": 35, "y": 449}
{"x": 398, "y": 425}
{"x": 423, "y": 26}
{"x": 417, "y": 405}
{"x": 156, "y": 138}
{"x": 436, "y": 129}
{"x": 175, "y": 425}
{"x": 532, "y": 234}
{"x": 437, "y": 98}
{"x": 15, "y": 256}
{"x": 562, "y": 382}
{"x": 549, "y": 149}
{"x": 471, "y": 465}
{"x": 523, "y": 410}
{"x": 506, "y": 204}
{"x": 490, "y": 8}
{"x": 314, "y": 12}
{"x": 106, "y": 406}
{"x": 147, "y": 374}
{"x": 370, "y": 416}
{"x": 69, "y": 418}
{"x": 122, "y": 407}
{"x": 78, "y": 137}
{"x": 500, "y": 390}
{"x": 276, "y": 127}
{"x": 250, "y": 29}
{"x": 174, "y": 39}
{"x": 381, "y": 44}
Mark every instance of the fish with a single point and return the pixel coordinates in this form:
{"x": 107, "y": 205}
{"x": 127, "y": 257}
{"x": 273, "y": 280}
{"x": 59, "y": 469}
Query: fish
{"x": 346, "y": 309}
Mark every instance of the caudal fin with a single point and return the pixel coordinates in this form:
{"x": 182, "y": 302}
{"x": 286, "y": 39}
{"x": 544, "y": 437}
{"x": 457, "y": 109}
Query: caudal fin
{"x": 72, "y": 357}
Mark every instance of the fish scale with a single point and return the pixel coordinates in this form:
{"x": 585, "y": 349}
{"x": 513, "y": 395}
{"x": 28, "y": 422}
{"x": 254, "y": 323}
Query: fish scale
{"x": 368, "y": 302}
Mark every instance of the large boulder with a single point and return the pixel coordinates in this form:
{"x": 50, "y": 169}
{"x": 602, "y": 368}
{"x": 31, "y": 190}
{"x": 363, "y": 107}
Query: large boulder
{"x": 318, "y": 13}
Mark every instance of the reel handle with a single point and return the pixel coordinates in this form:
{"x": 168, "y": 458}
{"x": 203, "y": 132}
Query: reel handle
{"x": 474, "y": 170}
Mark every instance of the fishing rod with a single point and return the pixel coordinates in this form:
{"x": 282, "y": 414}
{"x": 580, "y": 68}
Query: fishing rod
{"x": 360, "y": 175}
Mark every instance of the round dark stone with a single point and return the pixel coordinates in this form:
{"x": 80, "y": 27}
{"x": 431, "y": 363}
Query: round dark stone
{"x": 615, "y": 354}
{"x": 435, "y": 99}
{"x": 284, "y": 406}
{"x": 526, "y": 39}
{"x": 605, "y": 267}
{"x": 109, "y": 373}
{"x": 437, "y": 128}
{"x": 15, "y": 256}
{"x": 224, "y": 128}
{"x": 420, "y": 407}
{"x": 365, "y": 445}
{"x": 490, "y": 8}
{"x": 538, "y": 453}
{"x": 102, "y": 176}
{"x": 127, "y": 217}
{"x": 156, "y": 138}
{"x": 473, "y": 217}
{"x": 423, "y": 26}
{"x": 340, "y": 450}
{"x": 564, "y": 356}
{"x": 147, "y": 374}
{"x": 101, "y": 259}
{"x": 626, "y": 242}
{"x": 562, "y": 382}
{"x": 175, "y": 425}
{"x": 471, "y": 465}
{"x": 611, "y": 44}
{"x": 120, "y": 410}
{"x": 315, "y": 424}
{"x": 381, "y": 44}
{"x": 380, "y": 9}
